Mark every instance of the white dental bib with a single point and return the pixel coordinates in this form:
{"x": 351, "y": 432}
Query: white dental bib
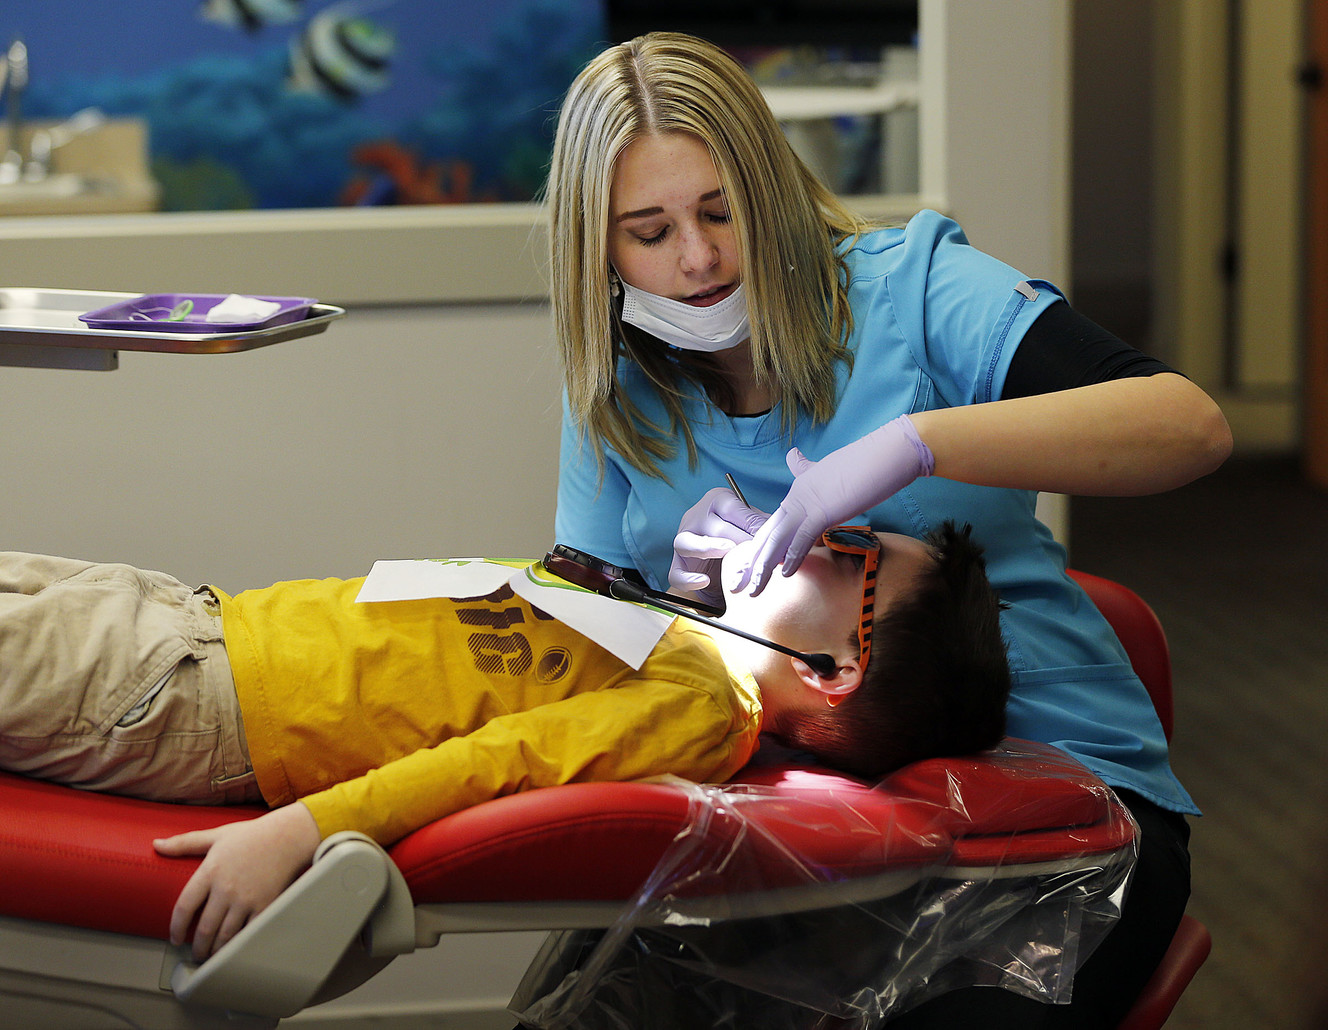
{"x": 629, "y": 631}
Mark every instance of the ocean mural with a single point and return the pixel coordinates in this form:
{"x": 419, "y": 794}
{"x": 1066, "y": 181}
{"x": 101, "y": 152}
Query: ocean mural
{"x": 301, "y": 103}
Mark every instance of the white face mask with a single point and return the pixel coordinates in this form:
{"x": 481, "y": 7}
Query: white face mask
{"x": 714, "y": 328}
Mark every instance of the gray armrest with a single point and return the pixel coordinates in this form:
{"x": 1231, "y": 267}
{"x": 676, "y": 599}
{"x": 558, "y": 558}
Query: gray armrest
{"x": 350, "y": 913}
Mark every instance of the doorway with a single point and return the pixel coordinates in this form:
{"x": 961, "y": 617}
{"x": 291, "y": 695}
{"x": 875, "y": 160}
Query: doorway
{"x": 1316, "y": 244}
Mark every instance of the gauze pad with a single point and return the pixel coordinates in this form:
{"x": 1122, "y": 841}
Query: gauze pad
{"x": 236, "y": 308}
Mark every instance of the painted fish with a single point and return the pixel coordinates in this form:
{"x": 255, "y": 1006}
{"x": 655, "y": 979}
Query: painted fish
{"x": 341, "y": 54}
{"x": 250, "y": 15}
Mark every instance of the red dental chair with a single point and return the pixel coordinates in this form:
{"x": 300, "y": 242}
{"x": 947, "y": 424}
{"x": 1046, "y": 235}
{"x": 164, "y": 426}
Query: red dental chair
{"x": 1137, "y": 626}
{"x": 80, "y": 886}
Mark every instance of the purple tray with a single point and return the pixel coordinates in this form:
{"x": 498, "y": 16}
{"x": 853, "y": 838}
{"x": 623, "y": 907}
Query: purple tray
{"x": 152, "y": 311}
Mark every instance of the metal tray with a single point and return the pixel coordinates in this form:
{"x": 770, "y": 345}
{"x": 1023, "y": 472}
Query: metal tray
{"x": 49, "y": 318}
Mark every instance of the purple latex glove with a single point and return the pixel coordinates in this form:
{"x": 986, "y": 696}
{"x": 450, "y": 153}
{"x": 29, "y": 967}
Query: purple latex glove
{"x": 707, "y": 531}
{"x": 838, "y": 488}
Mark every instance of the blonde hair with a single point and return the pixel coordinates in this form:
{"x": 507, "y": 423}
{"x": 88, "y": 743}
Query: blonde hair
{"x": 786, "y": 223}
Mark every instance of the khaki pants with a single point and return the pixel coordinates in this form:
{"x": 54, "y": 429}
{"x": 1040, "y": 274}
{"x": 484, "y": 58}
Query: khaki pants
{"x": 116, "y": 679}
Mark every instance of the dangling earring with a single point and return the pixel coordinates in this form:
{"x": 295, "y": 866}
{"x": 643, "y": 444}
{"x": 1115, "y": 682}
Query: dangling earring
{"x": 832, "y": 700}
{"x": 614, "y": 288}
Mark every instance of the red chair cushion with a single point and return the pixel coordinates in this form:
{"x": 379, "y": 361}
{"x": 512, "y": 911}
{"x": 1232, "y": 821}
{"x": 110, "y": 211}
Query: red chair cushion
{"x": 599, "y": 841}
{"x": 83, "y": 859}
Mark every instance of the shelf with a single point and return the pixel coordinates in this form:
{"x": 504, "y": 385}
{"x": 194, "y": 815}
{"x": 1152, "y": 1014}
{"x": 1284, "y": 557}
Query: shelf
{"x": 802, "y": 103}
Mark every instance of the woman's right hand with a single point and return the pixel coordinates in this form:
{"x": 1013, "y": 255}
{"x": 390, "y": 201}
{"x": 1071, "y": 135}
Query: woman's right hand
{"x": 708, "y": 530}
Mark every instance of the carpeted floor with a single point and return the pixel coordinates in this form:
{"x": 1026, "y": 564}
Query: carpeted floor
{"x": 1236, "y": 566}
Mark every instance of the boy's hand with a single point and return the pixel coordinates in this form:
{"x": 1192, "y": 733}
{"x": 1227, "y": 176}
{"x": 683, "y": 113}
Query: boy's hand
{"x": 247, "y": 865}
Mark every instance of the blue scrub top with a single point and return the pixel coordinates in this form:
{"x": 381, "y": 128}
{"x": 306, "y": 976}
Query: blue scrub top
{"x": 935, "y": 325}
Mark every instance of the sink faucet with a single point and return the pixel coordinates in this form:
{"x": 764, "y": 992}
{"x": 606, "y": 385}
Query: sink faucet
{"x": 13, "y": 82}
{"x": 45, "y": 142}
{"x": 35, "y": 165}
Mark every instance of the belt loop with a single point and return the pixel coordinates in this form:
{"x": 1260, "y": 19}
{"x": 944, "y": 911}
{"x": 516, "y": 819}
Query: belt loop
{"x": 210, "y": 599}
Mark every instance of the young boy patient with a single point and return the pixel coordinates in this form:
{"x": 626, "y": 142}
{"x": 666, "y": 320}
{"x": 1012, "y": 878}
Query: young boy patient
{"x": 383, "y": 717}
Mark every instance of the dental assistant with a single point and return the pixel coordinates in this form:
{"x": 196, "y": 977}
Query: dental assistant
{"x": 720, "y": 311}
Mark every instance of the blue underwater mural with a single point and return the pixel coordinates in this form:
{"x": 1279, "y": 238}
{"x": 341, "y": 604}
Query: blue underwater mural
{"x": 302, "y": 103}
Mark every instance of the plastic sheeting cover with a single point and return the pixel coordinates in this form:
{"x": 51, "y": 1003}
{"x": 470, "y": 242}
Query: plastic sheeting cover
{"x": 803, "y": 901}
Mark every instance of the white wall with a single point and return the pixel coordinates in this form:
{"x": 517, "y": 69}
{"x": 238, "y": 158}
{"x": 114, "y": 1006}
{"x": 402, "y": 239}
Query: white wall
{"x": 399, "y": 432}
{"x": 996, "y": 126}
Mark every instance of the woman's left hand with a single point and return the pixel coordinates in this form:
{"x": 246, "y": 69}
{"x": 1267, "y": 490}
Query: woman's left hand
{"x": 839, "y": 487}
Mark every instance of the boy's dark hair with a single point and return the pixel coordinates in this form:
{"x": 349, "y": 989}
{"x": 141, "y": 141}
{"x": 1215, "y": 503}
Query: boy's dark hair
{"x": 938, "y": 678}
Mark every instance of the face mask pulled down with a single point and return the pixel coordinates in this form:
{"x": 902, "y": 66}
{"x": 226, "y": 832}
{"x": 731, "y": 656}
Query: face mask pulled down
{"x": 714, "y": 328}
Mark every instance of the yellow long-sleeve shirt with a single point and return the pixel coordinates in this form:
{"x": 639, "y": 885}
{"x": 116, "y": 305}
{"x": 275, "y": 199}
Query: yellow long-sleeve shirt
{"x": 383, "y": 717}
